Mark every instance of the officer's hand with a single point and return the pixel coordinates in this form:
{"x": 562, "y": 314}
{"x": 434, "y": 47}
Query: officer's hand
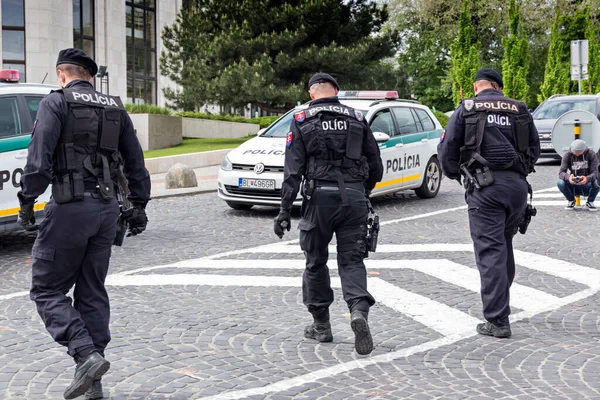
{"x": 368, "y": 192}
{"x": 26, "y": 219}
{"x": 138, "y": 221}
{"x": 282, "y": 221}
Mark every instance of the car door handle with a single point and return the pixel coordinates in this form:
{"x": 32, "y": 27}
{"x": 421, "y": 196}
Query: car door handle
{"x": 21, "y": 155}
{"x": 424, "y": 140}
{"x": 399, "y": 145}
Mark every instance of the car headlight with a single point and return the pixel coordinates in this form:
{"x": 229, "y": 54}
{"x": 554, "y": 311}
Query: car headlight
{"x": 226, "y": 164}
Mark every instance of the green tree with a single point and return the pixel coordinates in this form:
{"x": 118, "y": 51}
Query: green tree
{"x": 566, "y": 27}
{"x": 515, "y": 64}
{"x": 264, "y": 51}
{"x": 464, "y": 54}
{"x": 591, "y": 35}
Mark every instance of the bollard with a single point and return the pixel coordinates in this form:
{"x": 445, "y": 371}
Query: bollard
{"x": 576, "y": 133}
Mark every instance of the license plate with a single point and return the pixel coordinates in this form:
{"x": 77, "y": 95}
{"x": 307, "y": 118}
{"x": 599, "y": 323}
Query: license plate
{"x": 266, "y": 184}
{"x": 546, "y": 145}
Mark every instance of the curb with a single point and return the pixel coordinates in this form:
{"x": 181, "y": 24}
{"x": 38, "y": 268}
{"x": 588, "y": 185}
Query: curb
{"x": 190, "y": 193}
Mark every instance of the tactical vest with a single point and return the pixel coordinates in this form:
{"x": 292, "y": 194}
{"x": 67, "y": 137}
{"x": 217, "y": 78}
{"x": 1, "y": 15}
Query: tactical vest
{"x": 333, "y": 138}
{"x": 87, "y": 156}
{"x": 475, "y": 112}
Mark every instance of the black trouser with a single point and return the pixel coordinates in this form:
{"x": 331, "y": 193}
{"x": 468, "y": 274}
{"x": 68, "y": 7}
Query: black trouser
{"x": 494, "y": 214}
{"x": 322, "y": 216}
{"x": 73, "y": 247}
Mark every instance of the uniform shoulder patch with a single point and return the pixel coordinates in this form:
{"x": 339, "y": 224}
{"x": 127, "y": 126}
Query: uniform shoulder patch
{"x": 288, "y": 140}
{"x": 442, "y": 136}
{"x": 300, "y": 116}
{"x": 469, "y": 104}
{"x": 34, "y": 125}
{"x": 359, "y": 115}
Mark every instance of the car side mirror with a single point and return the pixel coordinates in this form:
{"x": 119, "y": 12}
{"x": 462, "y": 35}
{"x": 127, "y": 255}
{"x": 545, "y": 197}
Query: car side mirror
{"x": 381, "y": 137}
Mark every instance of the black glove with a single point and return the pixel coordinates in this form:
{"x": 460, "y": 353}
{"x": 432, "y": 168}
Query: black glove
{"x": 282, "y": 221}
{"x": 138, "y": 221}
{"x": 26, "y": 219}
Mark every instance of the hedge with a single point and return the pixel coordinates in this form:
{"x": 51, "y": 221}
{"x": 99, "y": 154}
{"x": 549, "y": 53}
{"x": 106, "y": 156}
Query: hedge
{"x": 443, "y": 118}
{"x": 262, "y": 121}
{"x": 146, "y": 109}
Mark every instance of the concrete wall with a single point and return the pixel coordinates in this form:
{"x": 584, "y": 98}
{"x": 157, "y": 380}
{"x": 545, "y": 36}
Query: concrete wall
{"x": 160, "y": 165}
{"x": 206, "y": 128}
{"x": 166, "y": 14}
{"x": 111, "y": 45}
{"x": 155, "y": 131}
{"x": 48, "y": 29}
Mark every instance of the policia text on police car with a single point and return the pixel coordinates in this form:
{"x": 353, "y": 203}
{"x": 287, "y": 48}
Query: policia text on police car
{"x": 492, "y": 143}
{"x": 78, "y": 141}
{"x": 331, "y": 148}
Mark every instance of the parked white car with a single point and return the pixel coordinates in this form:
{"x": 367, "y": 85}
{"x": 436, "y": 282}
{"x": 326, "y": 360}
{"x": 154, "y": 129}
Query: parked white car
{"x": 18, "y": 108}
{"x": 407, "y": 133}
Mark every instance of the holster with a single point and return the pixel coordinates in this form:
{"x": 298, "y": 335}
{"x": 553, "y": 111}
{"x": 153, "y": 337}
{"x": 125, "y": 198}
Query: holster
{"x": 484, "y": 176}
{"x": 308, "y": 188}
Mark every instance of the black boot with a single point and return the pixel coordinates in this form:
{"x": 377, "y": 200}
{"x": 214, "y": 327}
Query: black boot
{"x": 363, "y": 341}
{"x": 95, "y": 391}
{"x": 88, "y": 370}
{"x": 320, "y": 331}
{"x": 489, "y": 329}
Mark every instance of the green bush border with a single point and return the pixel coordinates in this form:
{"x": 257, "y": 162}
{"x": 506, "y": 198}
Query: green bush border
{"x": 146, "y": 109}
{"x": 263, "y": 122}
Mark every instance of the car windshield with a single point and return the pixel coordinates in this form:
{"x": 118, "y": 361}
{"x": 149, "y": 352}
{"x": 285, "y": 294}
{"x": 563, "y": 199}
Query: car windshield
{"x": 281, "y": 127}
{"x": 554, "y": 109}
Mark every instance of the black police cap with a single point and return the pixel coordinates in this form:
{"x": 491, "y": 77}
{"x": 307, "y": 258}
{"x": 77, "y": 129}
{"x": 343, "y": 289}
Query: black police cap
{"x": 321, "y": 78}
{"x": 77, "y": 57}
{"x": 489, "y": 74}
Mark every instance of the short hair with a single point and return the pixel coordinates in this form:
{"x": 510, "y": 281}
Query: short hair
{"x": 491, "y": 83}
{"x": 74, "y": 70}
{"x": 322, "y": 85}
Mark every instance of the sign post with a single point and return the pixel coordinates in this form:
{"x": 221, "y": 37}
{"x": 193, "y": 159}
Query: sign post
{"x": 579, "y": 62}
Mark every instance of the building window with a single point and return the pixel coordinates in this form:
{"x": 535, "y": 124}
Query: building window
{"x": 83, "y": 26}
{"x": 13, "y": 36}
{"x": 141, "y": 51}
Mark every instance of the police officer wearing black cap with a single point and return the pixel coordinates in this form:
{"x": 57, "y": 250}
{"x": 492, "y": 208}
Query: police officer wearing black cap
{"x": 78, "y": 141}
{"x": 332, "y": 148}
{"x": 492, "y": 143}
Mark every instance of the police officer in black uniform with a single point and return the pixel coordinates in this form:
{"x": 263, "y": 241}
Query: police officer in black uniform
{"x": 77, "y": 143}
{"x": 332, "y": 148}
{"x": 492, "y": 143}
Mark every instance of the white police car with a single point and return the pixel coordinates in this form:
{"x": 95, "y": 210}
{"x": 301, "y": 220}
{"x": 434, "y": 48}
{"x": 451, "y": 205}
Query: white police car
{"x": 407, "y": 133}
{"x": 18, "y": 108}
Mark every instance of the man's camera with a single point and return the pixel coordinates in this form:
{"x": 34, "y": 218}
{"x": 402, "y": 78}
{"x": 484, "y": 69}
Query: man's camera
{"x": 577, "y": 179}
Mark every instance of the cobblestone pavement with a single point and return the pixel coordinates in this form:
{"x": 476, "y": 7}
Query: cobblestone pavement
{"x": 207, "y": 304}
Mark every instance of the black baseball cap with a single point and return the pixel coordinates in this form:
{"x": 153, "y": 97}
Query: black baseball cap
{"x": 77, "y": 57}
{"x": 322, "y": 77}
{"x": 489, "y": 74}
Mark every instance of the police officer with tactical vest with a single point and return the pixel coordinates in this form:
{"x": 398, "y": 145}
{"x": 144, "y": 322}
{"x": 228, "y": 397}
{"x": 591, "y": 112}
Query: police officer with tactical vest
{"x": 492, "y": 143}
{"x": 332, "y": 152}
{"x": 78, "y": 141}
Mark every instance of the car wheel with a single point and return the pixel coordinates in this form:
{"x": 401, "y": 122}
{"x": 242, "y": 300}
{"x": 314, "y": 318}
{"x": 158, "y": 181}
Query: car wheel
{"x": 239, "y": 206}
{"x": 431, "y": 182}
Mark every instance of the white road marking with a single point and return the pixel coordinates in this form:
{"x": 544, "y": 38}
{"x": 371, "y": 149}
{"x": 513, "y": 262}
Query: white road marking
{"x": 435, "y": 315}
{"x": 11, "y": 295}
{"x": 290, "y": 383}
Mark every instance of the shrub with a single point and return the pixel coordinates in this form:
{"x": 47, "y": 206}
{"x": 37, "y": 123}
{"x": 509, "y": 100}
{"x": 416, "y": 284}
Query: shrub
{"x": 146, "y": 109}
{"x": 262, "y": 121}
{"x": 443, "y": 118}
